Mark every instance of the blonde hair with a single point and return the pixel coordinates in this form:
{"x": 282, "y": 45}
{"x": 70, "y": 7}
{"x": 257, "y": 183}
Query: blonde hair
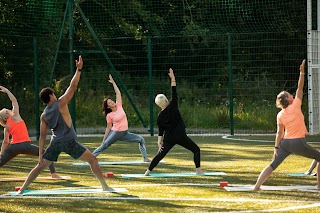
{"x": 282, "y": 100}
{"x": 161, "y": 100}
{"x": 4, "y": 116}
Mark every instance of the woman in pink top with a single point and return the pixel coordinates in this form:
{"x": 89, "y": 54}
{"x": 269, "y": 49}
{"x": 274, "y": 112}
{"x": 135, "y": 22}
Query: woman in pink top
{"x": 117, "y": 125}
{"x": 16, "y": 127}
{"x": 291, "y": 132}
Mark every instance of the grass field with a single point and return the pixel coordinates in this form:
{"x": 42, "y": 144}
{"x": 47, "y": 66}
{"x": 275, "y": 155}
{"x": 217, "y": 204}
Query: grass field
{"x": 241, "y": 160}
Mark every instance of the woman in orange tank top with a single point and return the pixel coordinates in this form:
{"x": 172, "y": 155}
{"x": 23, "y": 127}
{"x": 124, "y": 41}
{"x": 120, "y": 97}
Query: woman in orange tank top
{"x": 15, "y": 126}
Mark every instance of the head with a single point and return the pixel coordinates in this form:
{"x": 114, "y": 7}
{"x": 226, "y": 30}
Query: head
{"x": 284, "y": 99}
{"x": 161, "y": 100}
{"x": 46, "y": 94}
{"x": 4, "y": 115}
{"x": 107, "y": 105}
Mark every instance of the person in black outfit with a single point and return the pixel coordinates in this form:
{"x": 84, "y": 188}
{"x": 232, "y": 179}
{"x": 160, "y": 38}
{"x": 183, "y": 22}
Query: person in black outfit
{"x": 172, "y": 129}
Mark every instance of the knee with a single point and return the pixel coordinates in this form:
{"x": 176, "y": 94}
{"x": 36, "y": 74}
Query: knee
{"x": 197, "y": 150}
{"x": 92, "y": 159}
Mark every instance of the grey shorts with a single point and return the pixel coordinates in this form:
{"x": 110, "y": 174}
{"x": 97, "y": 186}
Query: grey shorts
{"x": 296, "y": 146}
{"x": 71, "y": 147}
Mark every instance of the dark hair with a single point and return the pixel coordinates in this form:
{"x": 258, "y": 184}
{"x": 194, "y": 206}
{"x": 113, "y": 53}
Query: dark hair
{"x": 105, "y": 108}
{"x": 45, "y": 94}
{"x": 282, "y": 100}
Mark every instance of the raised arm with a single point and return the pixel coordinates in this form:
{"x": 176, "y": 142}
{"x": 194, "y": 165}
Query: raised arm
{"x": 14, "y": 102}
{"x": 299, "y": 93}
{"x": 67, "y": 96}
{"x": 172, "y": 77}
{"x": 116, "y": 89}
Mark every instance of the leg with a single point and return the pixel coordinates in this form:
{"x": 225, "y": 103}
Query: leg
{"x": 111, "y": 139}
{"x": 33, "y": 150}
{"x": 318, "y": 175}
{"x": 264, "y": 175}
{"x": 8, "y": 154}
{"x": 34, "y": 174}
{"x": 160, "y": 155}
{"x": 267, "y": 171}
{"x": 194, "y": 148}
{"x": 95, "y": 168}
{"x": 130, "y": 137}
{"x": 312, "y": 166}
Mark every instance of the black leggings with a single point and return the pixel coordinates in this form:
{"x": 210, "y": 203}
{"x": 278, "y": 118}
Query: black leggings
{"x": 183, "y": 141}
{"x": 26, "y": 148}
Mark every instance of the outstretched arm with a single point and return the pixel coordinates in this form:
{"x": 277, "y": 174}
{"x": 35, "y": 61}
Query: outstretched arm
{"x": 172, "y": 77}
{"x": 116, "y": 89}
{"x": 67, "y": 96}
{"x": 299, "y": 93}
{"x": 14, "y": 102}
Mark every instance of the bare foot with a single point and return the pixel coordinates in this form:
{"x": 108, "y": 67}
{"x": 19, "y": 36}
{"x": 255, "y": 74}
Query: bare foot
{"x": 146, "y": 160}
{"x": 199, "y": 171}
{"x": 107, "y": 188}
{"x": 147, "y": 172}
{"x": 256, "y": 188}
{"x": 55, "y": 175}
{"x": 20, "y": 192}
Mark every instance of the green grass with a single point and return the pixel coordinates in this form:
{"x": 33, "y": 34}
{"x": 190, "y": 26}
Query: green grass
{"x": 241, "y": 160}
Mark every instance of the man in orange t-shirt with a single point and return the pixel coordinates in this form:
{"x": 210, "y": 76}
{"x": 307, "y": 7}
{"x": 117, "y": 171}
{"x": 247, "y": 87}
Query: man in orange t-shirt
{"x": 291, "y": 132}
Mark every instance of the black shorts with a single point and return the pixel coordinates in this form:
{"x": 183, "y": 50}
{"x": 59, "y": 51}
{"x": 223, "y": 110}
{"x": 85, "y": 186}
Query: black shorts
{"x": 71, "y": 147}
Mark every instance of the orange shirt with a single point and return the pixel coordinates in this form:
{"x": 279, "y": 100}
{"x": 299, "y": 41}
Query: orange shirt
{"x": 293, "y": 120}
{"x": 118, "y": 119}
{"x": 18, "y": 131}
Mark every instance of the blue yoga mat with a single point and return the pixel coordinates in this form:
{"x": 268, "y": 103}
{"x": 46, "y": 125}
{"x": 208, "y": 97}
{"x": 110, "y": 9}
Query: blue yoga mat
{"x": 170, "y": 175}
{"x": 301, "y": 174}
{"x": 114, "y": 163}
{"x": 66, "y": 191}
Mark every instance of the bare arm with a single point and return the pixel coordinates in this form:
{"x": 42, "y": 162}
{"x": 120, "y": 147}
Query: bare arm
{"x": 67, "y": 96}
{"x": 279, "y": 136}
{"x": 14, "y": 101}
{"x": 5, "y": 142}
{"x": 107, "y": 131}
{"x": 43, "y": 135}
{"x": 299, "y": 93}
{"x": 116, "y": 89}
{"x": 160, "y": 142}
{"x": 172, "y": 77}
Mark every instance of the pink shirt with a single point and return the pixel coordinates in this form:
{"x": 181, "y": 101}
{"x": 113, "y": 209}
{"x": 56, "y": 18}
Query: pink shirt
{"x": 118, "y": 119}
{"x": 293, "y": 120}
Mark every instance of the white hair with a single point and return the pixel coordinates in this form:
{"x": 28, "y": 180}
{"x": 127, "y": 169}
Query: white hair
{"x": 161, "y": 100}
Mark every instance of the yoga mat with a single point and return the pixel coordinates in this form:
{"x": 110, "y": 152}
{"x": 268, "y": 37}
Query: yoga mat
{"x": 66, "y": 191}
{"x": 38, "y": 178}
{"x": 170, "y": 175}
{"x": 301, "y": 174}
{"x": 114, "y": 163}
{"x": 268, "y": 188}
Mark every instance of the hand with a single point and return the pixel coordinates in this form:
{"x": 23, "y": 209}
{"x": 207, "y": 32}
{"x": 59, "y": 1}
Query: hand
{"x": 275, "y": 153}
{"x": 3, "y": 89}
{"x": 302, "y": 66}
{"x": 111, "y": 79}
{"x": 171, "y": 75}
{"x": 160, "y": 148}
{"x": 79, "y": 63}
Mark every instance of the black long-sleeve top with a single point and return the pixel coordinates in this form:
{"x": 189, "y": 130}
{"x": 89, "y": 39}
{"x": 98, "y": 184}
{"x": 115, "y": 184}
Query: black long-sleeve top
{"x": 169, "y": 120}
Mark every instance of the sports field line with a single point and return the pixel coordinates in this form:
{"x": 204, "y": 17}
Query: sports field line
{"x": 243, "y": 200}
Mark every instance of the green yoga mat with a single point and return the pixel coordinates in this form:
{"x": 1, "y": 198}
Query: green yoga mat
{"x": 65, "y": 191}
{"x": 301, "y": 174}
{"x": 114, "y": 163}
{"x": 170, "y": 175}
